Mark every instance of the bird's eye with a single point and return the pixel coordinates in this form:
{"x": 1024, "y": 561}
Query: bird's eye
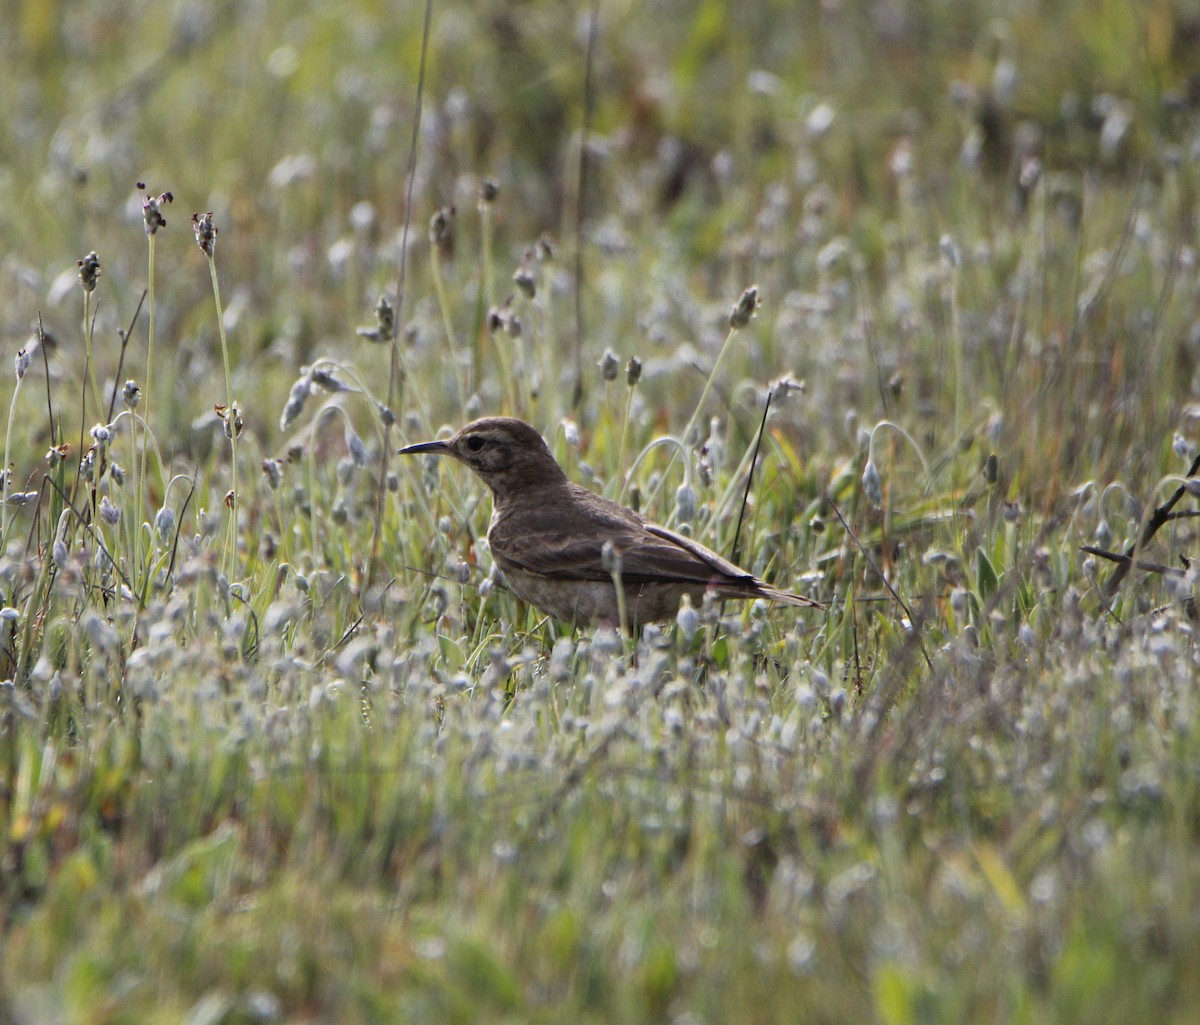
{"x": 475, "y": 443}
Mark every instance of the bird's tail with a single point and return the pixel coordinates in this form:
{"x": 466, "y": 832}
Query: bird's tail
{"x": 788, "y": 598}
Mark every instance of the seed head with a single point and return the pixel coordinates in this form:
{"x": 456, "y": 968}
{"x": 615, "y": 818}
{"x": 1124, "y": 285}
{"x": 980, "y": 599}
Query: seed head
{"x": 524, "y": 280}
{"x": 151, "y": 210}
{"x": 273, "y": 470}
{"x": 685, "y": 503}
{"x": 746, "y": 308}
{"x": 205, "y": 232}
{"x": 21, "y": 362}
{"x": 231, "y": 417}
{"x": 609, "y": 365}
{"x": 355, "y": 446}
{"x": 295, "y": 401}
{"x": 488, "y": 191}
{"x": 109, "y": 513}
{"x": 164, "y": 524}
{"x": 441, "y": 226}
{"x": 872, "y": 484}
{"x": 89, "y": 271}
{"x": 385, "y": 323}
{"x": 633, "y": 371}
{"x": 131, "y": 394}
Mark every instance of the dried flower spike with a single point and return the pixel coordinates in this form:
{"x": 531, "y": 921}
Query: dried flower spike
{"x": 205, "y": 232}
{"x": 89, "y": 271}
{"x": 633, "y": 371}
{"x": 440, "y": 226}
{"x": 385, "y": 323}
{"x": 151, "y": 210}
{"x": 746, "y": 307}
{"x": 609, "y": 365}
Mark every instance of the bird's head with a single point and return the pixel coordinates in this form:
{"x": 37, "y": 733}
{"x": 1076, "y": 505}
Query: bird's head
{"x": 508, "y": 454}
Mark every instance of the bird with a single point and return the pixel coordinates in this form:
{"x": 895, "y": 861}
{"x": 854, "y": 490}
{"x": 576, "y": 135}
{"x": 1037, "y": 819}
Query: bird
{"x": 562, "y": 548}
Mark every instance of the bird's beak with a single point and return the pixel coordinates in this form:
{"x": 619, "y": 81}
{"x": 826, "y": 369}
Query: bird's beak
{"x": 436, "y": 447}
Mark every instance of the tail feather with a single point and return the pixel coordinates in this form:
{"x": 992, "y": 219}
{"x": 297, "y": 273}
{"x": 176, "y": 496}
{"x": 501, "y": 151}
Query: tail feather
{"x": 758, "y": 589}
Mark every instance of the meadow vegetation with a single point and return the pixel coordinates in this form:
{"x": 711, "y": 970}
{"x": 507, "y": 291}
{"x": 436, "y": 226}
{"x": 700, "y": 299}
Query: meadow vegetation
{"x": 275, "y": 742}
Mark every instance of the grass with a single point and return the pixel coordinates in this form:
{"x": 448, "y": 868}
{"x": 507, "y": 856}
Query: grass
{"x": 257, "y": 765}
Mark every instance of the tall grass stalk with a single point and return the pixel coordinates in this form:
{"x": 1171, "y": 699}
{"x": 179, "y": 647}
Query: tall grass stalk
{"x": 206, "y": 236}
{"x": 439, "y": 286}
{"x": 88, "y": 326}
{"x": 5, "y": 470}
{"x": 152, "y": 219}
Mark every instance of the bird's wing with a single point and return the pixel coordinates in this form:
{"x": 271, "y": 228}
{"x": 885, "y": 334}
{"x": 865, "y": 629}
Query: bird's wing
{"x": 648, "y": 554}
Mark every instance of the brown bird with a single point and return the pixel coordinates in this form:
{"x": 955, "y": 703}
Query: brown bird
{"x": 560, "y": 546}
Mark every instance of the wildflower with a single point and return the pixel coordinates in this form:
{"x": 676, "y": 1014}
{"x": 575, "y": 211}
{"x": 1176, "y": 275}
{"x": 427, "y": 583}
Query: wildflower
{"x": 57, "y": 454}
{"x": 325, "y": 379}
{"x": 89, "y": 271}
{"x": 488, "y": 191}
{"x": 385, "y": 323}
{"x": 151, "y": 210}
{"x": 609, "y": 365}
{"x": 164, "y": 524}
{"x": 109, "y": 513}
{"x": 295, "y": 401}
{"x": 633, "y": 371}
{"x": 441, "y": 227}
{"x": 117, "y": 472}
{"x": 524, "y": 280}
{"x": 355, "y": 446}
{"x": 687, "y": 618}
{"x": 131, "y": 394}
{"x": 685, "y": 503}
{"x": 231, "y": 417}
{"x": 22, "y": 362}
{"x": 872, "y": 484}
{"x": 746, "y": 308}
{"x": 273, "y": 470}
{"x": 205, "y": 232}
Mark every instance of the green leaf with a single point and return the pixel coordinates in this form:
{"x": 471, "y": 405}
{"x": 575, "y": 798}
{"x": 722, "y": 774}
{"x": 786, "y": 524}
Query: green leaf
{"x": 986, "y": 580}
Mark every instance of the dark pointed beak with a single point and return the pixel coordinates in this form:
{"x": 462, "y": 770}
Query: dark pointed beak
{"x": 437, "y": 447}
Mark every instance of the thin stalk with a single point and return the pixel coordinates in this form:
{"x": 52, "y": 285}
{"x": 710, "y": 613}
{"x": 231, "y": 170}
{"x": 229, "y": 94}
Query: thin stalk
{"x": 4, "y": 470}
{"x": 448, "y": 324}
{"x": 231, "y": 539}
{"x": 88, "y": 326}
{"x": 140, "y": 482}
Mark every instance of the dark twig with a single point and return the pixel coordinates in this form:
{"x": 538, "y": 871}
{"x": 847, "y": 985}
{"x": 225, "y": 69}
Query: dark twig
{"x": 41, "y": 333}
{"x": 1142, "y": 564}
{"x": 1158, "y": 519}
{"x": 112, "y": 403}
{"x": 737, "y": 530}
{"x": 179, "y": 525}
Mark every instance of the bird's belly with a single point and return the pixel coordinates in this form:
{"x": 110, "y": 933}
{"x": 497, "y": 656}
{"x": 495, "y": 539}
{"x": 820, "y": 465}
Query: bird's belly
{"x": 595, "y": 601}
